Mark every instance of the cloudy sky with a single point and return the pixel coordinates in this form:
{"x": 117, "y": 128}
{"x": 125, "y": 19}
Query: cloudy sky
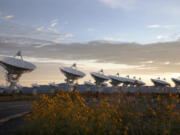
{"x": 137, "y": 37}
{"x": 141, "y": 21}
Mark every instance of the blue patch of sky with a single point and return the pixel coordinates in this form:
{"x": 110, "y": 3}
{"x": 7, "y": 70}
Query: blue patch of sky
{"x": 93, "y": 20}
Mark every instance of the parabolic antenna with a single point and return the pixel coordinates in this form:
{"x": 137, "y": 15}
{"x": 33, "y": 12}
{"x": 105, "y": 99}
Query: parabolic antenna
{"x": 128, "y": 81}
{"x": 160, "y": 83}
{"x": 99, "y": 77}
{"x": 71, "y": 74}
{"x": 176, "y": 81}
{"x": 116, "y": 79}
{"x": 136, "y": 82}
{"x": 139, "y": 82}
{"x": 15, "y": 67}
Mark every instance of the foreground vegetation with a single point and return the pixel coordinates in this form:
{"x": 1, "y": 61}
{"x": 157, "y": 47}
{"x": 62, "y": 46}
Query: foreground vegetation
{"x": 122, "y": 114}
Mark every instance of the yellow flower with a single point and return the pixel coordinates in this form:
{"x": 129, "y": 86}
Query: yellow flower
{"x": 154, "y": 113}
{"x": 171, "y": 106}
{"x": 158, "y": 98}
{"x": 166, "y": 132}
{"x": 126, "y": 128}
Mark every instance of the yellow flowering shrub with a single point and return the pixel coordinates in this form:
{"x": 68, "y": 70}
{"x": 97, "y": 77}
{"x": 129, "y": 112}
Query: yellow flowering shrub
{"x": 109, "y": 114}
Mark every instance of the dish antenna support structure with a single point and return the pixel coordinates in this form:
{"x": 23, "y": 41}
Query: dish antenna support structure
{"x": 15, "y": 67}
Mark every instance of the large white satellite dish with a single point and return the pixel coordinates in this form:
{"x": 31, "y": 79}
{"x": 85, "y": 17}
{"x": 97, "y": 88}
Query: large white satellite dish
{"x": 137, "y": 82}
{"x": 72, "y": 74}
{"x": 99, "y": 78}
{"x": 116, "y": 79}
{"x": 15, "y": 67}
{"x": 127, "y": 81}
{"x": 140, "y": 83}
{"x": 176, "y": 81}
{"x": 160, "y": 83}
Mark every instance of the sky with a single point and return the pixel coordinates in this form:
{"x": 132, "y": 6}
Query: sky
{"x": 136, "y": 37}
{"x": 141, "y": 21}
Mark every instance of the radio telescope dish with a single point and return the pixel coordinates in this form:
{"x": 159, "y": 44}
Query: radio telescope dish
{"x": 128, "y": 81}
{"x": 160, "y": 83}
{"x": 15, "y": 67}
{"x": 99, "y": 78}
{"x": 54, "y": 87}
{"x": 177, "y": 82}
{"x": 116, "y": 79}
{"x": 140, "y": 83}
{"x": 71, "y": 74}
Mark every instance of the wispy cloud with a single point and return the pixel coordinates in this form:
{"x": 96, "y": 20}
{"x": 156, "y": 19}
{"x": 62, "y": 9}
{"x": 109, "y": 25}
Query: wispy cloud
{"x": 167, "y": 63}
{"x": 9, "y": 16}
{"x": 124, "y": 4}
{"x": 147, "y": 62}
{"x": 162, "y": 37}
{"x": 63, "y": 37}
{"x": 40, "y": 28}
{"x": 54, "y": 23}
{"x": 66, "y": 35}
{"x": 156, "y": 26}
{"x": 169, "y": 37}
{"x": 112, "y": 39}
{"x": 5, "y": 16}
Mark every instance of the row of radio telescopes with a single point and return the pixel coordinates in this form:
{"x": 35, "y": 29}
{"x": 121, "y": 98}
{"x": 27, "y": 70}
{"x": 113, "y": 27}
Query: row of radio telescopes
{"x": 16, "y": 66}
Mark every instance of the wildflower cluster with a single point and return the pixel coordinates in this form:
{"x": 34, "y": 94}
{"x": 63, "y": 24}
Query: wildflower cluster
{"x": 74, "y": 114}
